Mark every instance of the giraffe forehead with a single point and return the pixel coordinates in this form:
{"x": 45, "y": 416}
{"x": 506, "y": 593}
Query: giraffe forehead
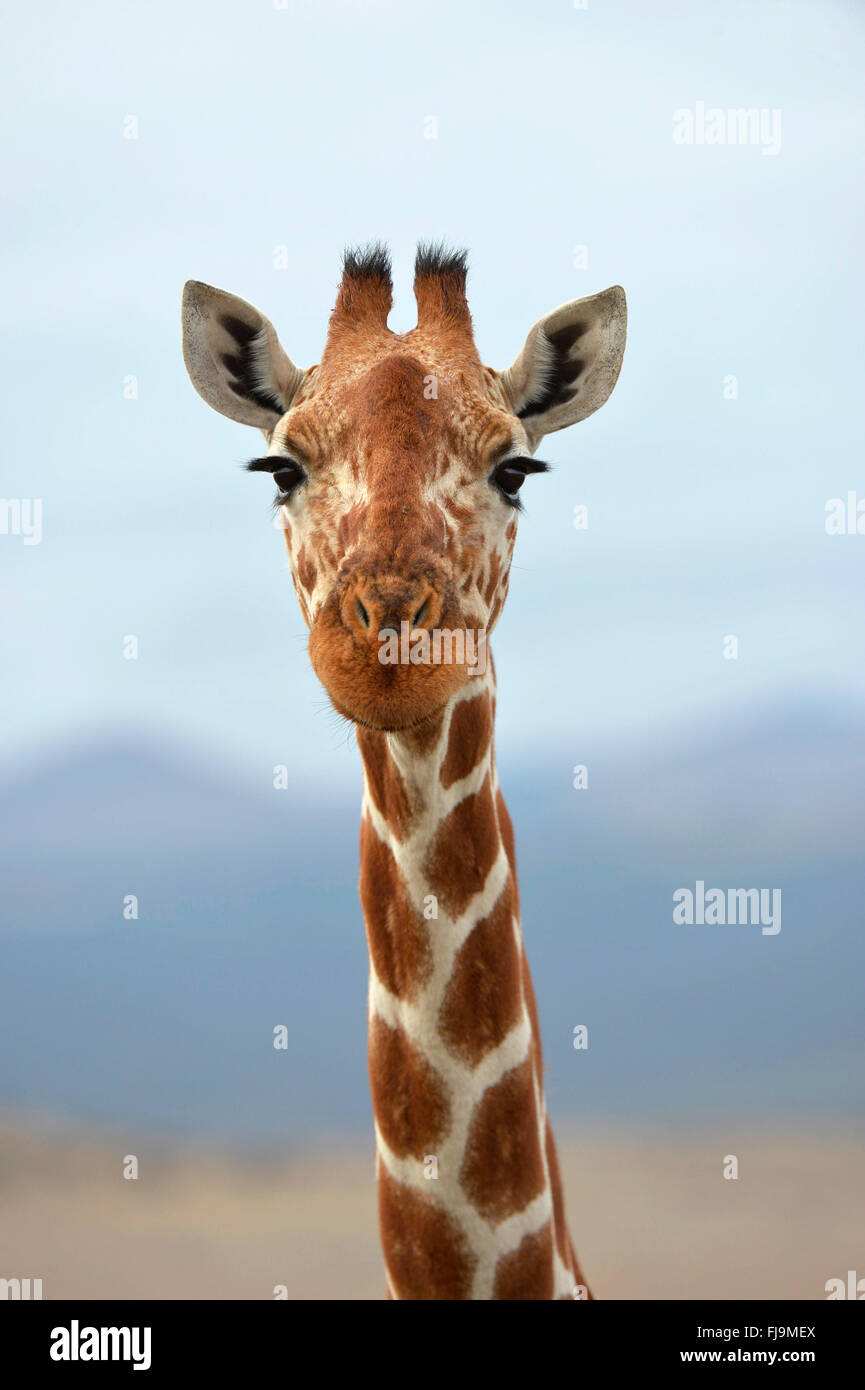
{"x": 401, "y": 415}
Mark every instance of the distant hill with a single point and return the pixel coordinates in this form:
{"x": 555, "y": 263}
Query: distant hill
{"x": 249, "y": 918}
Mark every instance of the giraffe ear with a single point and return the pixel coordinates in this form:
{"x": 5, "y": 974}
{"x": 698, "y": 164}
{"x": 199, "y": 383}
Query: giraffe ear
{"x": 234, "y": 358}
{"x": 569, "y": 364}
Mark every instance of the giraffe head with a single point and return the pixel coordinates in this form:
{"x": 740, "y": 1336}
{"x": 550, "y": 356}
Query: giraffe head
{"x": 399, "y": 459}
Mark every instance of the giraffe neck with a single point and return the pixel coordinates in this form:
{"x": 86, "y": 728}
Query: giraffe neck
{"x": 470, "y": 1200}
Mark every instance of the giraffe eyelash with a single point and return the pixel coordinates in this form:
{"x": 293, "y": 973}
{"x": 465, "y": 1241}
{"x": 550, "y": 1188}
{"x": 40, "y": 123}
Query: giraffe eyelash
{"x": 515, "y": 464}
{"x": 276, "y": 464}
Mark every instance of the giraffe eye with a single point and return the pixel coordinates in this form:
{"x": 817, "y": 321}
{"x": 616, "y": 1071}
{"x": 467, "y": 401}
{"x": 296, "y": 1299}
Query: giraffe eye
{"x": 288, "y": 476}
{"x": 287, "y": 473}
{"x": 509, "y": 478}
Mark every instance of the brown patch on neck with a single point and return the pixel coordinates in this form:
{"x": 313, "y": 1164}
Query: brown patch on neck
{"x": 468, "y": 738}
{"x": 386, "y": 786}
{"x": 408, "y": 1096}
{"x": 503, "y": 1167}
{"x": 396, "y": 933}
{"x": 426, "y": 1252}
{"x": 527, "y": 1272}
{"x": 483, "y": 1000}
{"x": 464, "y": 850}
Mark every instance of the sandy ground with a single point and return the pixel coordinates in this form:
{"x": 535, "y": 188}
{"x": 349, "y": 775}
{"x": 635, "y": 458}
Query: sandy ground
{"x": 651, "y": 1213}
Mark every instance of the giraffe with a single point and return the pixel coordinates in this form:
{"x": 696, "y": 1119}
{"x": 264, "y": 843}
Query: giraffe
{"x": 398, "y": 460}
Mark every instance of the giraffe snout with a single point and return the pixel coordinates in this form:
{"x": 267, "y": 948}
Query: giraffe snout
{"x": 379, "y": 645}
{"x": 372, "y": 606}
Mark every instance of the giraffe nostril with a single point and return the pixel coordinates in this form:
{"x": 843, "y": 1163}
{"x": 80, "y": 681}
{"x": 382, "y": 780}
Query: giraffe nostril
{"x": 421, "y": 613}
{"x": 361, "y": 612}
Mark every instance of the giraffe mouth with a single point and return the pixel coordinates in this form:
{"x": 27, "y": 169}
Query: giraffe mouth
{"x": 420, "y": 722}
{"x": 377, "y": 695}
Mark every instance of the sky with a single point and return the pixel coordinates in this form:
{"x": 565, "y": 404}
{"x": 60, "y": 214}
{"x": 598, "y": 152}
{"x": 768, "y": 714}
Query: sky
{"x": 269, "y": 136}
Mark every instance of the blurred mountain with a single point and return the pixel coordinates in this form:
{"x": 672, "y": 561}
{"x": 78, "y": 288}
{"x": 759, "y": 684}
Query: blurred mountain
{"x": 122, "y": 791}
{"x": 248, "y": 919}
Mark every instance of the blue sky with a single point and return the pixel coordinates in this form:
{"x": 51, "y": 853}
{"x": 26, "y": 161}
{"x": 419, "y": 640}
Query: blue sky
{"x": 303, "y": 127}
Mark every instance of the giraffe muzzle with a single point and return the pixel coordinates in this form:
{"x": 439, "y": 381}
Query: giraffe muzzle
{"x": 375, "y": 647}
{"x": 371, "y": 605}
